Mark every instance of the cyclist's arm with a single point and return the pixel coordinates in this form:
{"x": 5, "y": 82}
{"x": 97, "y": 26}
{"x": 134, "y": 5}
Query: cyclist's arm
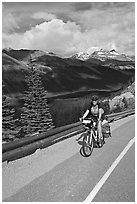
{"x": 85, "y": 114}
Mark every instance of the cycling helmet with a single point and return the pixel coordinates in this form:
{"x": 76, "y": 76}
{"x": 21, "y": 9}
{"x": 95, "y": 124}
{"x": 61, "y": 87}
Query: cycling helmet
{"x": 94, "y": 98}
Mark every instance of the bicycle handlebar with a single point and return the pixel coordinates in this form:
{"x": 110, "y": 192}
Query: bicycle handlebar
{"x": 91, "y": 124}
{"x": 91, "y": 119}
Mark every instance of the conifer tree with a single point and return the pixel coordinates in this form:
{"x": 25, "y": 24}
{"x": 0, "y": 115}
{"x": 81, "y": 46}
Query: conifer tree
{"x": 9, "y": 127}
{"x": 36, "y": 116}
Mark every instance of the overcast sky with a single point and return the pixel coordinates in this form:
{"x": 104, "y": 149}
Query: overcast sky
{"x": 67, "y": 28}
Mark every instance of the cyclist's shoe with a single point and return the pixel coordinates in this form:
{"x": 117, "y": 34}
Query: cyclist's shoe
{"x": 100, "y": 143}
{"x": 103, "y": 141}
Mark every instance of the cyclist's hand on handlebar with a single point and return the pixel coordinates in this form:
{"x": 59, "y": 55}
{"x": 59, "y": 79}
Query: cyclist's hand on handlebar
{"x": 94, "y": 124}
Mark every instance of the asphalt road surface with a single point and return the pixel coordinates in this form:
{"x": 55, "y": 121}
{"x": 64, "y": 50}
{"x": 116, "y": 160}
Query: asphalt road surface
{"x": 60, "y": 174}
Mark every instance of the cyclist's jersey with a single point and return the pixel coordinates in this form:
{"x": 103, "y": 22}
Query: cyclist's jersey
{"x": 94, "y": 112}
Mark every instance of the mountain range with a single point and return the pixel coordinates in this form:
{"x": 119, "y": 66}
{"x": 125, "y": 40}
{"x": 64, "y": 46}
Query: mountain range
{"x": 103, "y": 55}
{"x": 80, "y": 74}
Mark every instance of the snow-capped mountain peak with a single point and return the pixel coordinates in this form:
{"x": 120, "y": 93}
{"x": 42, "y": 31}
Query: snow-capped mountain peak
{"x": 102, "y": 55}
{"x": 81, "y": 55}
{"x": 113, "y": 52}
{"x": 106, "y": 53}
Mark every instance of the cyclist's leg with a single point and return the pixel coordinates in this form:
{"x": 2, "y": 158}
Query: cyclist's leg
{"x": 89, "y": 134}
{"x": 94, "y": 120}
{"x": 99, "y": 129}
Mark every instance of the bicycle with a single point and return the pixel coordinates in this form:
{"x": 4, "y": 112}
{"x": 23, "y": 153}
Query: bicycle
{"x": 90, "y": 137}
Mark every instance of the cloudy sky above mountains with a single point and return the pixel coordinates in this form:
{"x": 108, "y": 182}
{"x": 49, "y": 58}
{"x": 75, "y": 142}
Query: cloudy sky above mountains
{"x": 67, "y": 28}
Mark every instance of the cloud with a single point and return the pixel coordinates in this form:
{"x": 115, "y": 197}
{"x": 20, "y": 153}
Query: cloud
{"x": 43, "y": 15}
{"x": 57, "y": 36}
{"x": 101, "y": 26}
{"x": 11, "y": 40}
{"x": 80, "y": 6}
{"x": 108, "y": 24}
{"x": 104, "y": 15}
{"x": 9, "y": 23}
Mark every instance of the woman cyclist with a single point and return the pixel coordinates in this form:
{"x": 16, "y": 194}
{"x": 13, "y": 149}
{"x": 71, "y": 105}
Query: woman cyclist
{"x": 97, "y": 114}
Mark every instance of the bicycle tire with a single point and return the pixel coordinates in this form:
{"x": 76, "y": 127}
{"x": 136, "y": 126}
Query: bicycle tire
{"x": 87, "y": 148}
{"x": 81, "y": 152}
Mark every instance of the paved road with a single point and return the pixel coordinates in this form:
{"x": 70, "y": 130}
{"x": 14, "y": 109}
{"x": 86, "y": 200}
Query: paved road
{"x": 121, "y": 184}
{"x": 61, "y": 174}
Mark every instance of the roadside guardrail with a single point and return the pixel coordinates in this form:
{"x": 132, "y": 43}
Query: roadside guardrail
{"x": 26, "y": 146}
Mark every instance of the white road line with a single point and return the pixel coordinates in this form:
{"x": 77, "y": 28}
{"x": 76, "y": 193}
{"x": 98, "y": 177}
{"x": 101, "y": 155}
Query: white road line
{"x": 109, "y": 171}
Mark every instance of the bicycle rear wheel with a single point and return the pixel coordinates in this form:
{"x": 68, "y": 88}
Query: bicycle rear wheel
{"x": 87, "y": 145}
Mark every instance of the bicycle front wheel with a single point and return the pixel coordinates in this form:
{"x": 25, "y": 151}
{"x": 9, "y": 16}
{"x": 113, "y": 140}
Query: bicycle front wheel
{"x": 87, "y": 144}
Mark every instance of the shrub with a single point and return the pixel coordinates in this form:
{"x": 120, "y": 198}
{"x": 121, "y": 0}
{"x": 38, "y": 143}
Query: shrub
{"x": 9, "y": 123}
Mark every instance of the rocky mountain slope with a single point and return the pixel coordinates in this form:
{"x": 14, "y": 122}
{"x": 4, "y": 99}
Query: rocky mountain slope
{"x": 67, "y": 76}
{"x": 124, "y": 101}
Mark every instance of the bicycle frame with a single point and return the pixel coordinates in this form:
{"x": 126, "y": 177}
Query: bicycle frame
{"x": 92, "y": 132}
{"x": 90, "y": 137}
